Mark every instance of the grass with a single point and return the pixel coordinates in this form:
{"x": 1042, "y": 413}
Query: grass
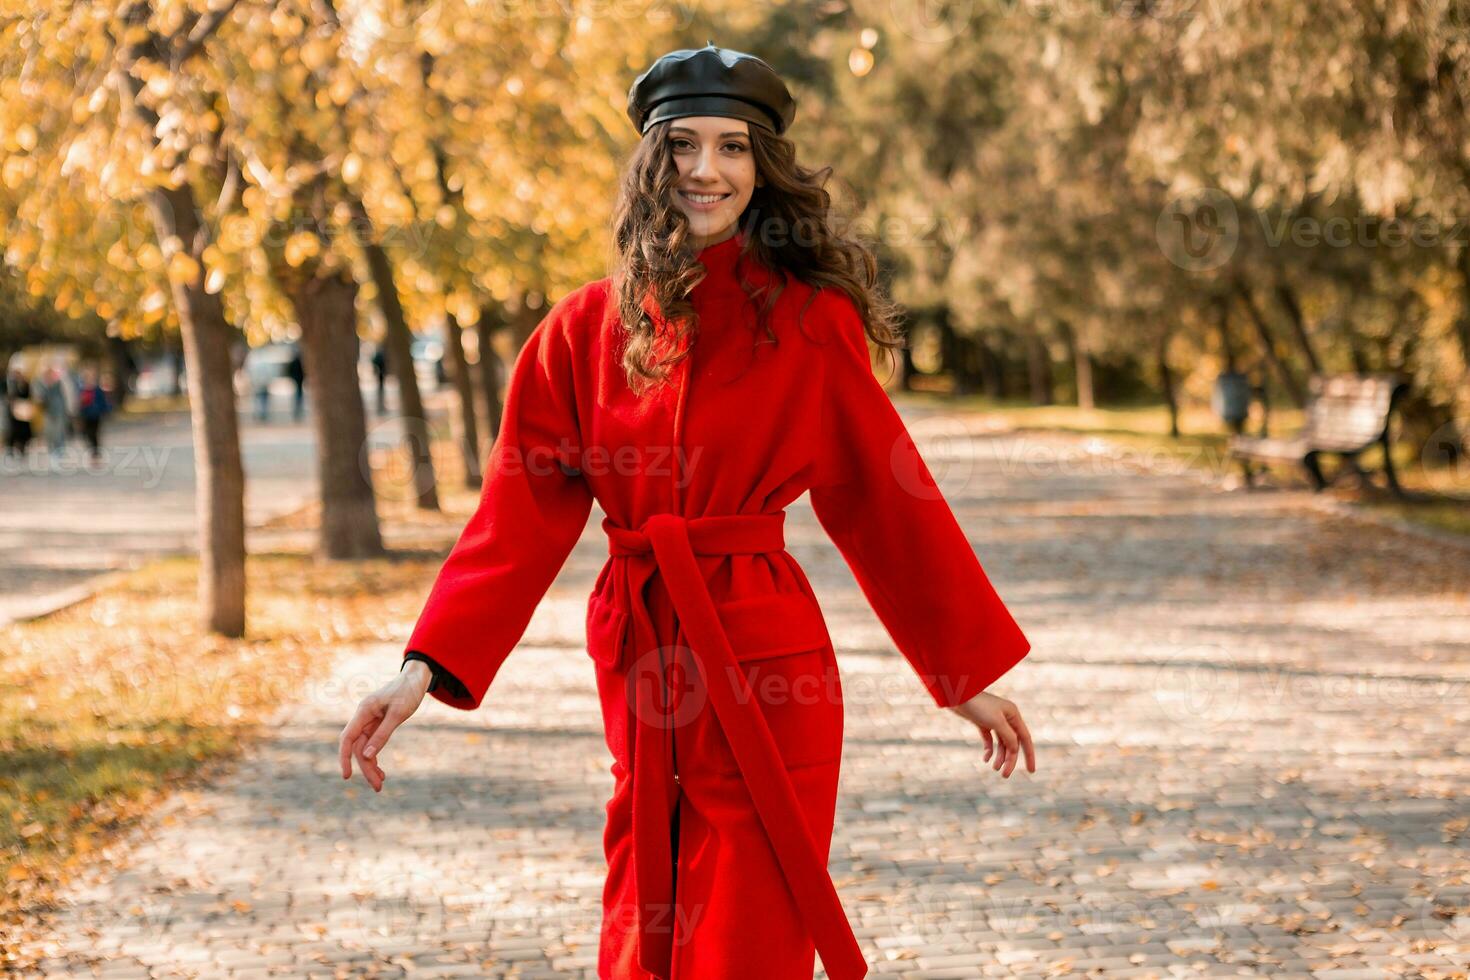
{"x": 109, "y": 705}
{"x": 1442, "y": 496}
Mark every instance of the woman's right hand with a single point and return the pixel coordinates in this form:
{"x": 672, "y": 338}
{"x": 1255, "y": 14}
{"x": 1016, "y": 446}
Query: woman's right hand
{"x": 378, "y": 715}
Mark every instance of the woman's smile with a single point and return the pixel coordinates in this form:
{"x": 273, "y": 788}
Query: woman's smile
{"x": 702, "y": 201}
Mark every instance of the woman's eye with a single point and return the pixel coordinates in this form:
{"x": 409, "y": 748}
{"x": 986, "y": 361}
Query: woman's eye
{"x": 737, "y": 147}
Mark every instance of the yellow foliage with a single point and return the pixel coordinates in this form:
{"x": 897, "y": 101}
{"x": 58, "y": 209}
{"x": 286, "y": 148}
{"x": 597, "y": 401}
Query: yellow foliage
{"x": 182, "y": 269}
{"x": 301, "y": 246}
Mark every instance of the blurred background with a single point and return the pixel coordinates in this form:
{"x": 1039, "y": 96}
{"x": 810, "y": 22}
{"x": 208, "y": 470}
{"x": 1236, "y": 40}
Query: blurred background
{"x": 1221, "y": 248}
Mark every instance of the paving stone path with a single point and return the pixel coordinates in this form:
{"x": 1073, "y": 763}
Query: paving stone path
{"x": 64, "y": 523}
{"x": 1248, "y": 718}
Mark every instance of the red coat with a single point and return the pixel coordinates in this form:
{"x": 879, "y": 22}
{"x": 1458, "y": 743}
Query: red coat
{"x": 717, "y": 675}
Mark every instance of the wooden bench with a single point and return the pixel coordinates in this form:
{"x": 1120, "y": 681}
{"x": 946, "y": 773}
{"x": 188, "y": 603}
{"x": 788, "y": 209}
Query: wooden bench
{"x": 1346, "y": 414}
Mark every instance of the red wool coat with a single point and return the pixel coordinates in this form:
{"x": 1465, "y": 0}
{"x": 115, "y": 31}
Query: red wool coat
{"x": 717, "y": 676}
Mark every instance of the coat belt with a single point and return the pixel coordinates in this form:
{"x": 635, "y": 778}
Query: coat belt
{"x": 667, "y": 544}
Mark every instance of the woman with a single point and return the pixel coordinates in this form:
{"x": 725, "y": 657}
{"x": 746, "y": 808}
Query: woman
{"x": 694, "y": 416}
{"x": 56, "y": 403}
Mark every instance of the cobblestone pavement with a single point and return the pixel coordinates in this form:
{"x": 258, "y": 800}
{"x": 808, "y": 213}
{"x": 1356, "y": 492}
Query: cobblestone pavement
{"x": 1247, "y": 713}
{"x": 63, "y": 524}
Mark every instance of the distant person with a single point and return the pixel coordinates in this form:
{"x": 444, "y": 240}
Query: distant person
{"x": 19, "y": 411}
{"x": 261, "y": 372}
{"x": 93, "y": 407}
{"x": 296, "y": 371}
{"x": 380, "y": 371}
{"x": 55, "y": 400}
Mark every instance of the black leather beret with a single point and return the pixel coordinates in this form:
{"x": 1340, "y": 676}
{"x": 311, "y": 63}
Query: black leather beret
{"x": 711, "y": 81}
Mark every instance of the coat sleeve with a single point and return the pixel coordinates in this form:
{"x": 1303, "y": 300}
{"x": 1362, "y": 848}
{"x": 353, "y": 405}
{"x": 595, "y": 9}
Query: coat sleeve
{"x": 533, "y": 506}
{"x": 877, "y": 500}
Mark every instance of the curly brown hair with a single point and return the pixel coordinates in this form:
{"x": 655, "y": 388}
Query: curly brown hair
{"x": 788, "y": 226}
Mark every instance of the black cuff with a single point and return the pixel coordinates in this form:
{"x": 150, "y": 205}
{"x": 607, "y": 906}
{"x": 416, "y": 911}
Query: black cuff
{"x": 442, "y": 677}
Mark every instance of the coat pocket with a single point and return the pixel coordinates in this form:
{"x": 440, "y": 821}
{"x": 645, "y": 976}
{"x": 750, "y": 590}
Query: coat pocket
{"x": 783, "y": 648}
{"x": 607, "y": 628}
{"x": 765, "y": 626}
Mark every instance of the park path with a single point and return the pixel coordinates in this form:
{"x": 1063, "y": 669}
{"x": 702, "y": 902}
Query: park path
{"x": 1248, "y": 717}
{"x": 64, "y": 525}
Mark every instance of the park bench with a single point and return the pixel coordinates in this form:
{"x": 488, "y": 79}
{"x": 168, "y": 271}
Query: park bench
{"x": 1346, "y": 414}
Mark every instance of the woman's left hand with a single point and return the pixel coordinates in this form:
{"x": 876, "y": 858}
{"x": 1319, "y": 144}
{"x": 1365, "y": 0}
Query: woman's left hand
{"x": 1000, "y": 722}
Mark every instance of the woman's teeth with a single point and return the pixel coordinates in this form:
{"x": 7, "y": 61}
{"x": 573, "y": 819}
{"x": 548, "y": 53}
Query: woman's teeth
{"x": 704, "y": 198}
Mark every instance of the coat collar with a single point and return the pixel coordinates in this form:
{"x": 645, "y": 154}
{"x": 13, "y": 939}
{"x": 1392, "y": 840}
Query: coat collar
{"x": 720, "y": 258}
{"x": 726, "y": 272}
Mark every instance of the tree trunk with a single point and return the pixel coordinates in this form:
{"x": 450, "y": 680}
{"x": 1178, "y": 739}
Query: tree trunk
{"x": 1038, "y": 369}
{"x": 219, "y": 487}
{"x": 1462, "y": 331}
{"x": 968, "y": 361}
{"x": 1268, "y": 346}
{"x": 1287, "y": 296}
{"x": 907, "y": 371}
{"x": 122, "y": 368}
{"x": 991, "y": 369}
{"x": 219, "y": 475}
{"x": 956, "y": 352}
{"x": 324, "y": 306}
{"x": 490, "y": 380}
{"x": 1222, "y": 324}
{"x": 417, "y": 437}
{"x": 1082, "y": 365}
{"x": 459, "y": 374}
{"x": 1166, "y": 381}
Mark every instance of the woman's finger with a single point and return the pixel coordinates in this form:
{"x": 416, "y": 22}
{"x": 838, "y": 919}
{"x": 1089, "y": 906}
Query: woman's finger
{"x": 370, "y": 765}
{"x": 1013, "y": 749}
{"x": 349, "y": 735}
{"x": 391, "y": 720}
{"x": 1008, "y": 744}
{"x": 370, "y": 770}
{"x": 1026, "y": 743}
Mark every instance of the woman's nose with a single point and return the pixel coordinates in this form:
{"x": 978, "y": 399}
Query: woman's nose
{"x": 704, "y": 164}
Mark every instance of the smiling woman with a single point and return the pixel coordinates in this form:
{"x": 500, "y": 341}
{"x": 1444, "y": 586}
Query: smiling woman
{"x": 716, "y": 172}
{"x": 734, "y": 329}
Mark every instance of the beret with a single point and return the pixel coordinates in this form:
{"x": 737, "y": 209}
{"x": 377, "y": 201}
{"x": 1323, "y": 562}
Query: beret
{"x": 711, "y": 81}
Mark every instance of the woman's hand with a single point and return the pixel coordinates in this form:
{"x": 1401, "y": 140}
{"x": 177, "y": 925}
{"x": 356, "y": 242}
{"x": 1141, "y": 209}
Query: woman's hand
{"x": 1000, "y": 721}
{"x": 377, "y": 716}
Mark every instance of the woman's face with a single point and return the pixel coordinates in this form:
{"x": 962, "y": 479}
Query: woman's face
{"x": 716, "y": 174}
